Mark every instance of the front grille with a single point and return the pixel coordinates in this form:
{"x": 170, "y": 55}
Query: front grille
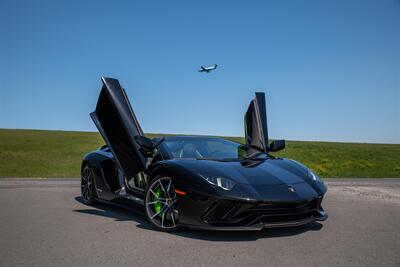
{"x": 282, "y": 212}
{"x": 243, "y": 214}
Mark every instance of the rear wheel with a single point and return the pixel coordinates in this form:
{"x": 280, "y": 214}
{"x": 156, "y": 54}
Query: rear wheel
{"x": 160, "y": 204}
{"x": 87, "y": 185}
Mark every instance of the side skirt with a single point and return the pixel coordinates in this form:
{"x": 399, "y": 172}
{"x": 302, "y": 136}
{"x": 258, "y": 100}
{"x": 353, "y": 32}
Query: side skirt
{"x": 126, "y": 204}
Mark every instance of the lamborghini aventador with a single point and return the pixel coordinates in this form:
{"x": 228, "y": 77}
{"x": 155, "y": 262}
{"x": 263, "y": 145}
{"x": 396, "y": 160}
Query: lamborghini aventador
{"x": 196, "y": 181}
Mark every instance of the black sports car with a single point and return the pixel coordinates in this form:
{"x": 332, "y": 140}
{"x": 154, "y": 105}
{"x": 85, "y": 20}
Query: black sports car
{"x": 197, "y": 182}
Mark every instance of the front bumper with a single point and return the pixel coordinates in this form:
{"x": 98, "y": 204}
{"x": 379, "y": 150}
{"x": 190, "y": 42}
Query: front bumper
{"x": 231, "y": 215}
{"x": 258, "y": 226}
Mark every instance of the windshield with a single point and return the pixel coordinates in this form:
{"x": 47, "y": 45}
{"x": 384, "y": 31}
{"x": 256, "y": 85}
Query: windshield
{"x": 203, "y": 148}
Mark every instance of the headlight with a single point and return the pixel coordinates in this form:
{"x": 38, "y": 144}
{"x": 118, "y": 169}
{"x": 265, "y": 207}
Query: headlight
{"x": 313, "y": 176}
{"x": 221, "y": 182}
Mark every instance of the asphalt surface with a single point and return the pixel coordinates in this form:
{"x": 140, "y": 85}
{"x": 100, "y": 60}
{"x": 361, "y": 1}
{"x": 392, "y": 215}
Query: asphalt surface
{"x": 44, "y": 223}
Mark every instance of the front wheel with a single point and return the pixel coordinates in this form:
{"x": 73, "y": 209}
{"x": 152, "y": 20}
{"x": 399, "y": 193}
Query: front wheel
{"x": 160, "y": 204}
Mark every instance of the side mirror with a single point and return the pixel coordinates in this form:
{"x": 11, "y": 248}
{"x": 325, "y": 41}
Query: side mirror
{"x": 146, "y": 145}
{"x": 277, "y": 145}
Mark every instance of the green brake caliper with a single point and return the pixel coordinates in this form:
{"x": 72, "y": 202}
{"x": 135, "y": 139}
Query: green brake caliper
{"x": 157, "y": 205}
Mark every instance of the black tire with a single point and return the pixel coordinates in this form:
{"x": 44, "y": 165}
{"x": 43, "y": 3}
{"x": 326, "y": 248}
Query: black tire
{"x": 88, "y": 190}
{"x": 160, "y": 204}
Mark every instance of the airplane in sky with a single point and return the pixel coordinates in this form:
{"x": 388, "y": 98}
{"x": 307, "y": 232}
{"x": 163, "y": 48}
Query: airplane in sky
{"x": 208, "y": 69}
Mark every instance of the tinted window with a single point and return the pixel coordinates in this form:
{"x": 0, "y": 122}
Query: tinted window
{"x": 198, "y": 148}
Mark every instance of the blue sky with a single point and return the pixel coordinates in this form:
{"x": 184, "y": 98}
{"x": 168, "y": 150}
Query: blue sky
{"x": 331, "y": 69}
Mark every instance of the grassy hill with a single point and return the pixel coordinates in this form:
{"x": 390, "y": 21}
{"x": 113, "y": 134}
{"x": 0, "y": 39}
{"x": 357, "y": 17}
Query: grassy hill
{"x": 37, "y": 153}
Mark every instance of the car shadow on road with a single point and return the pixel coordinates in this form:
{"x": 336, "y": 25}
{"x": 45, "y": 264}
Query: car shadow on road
{"x": 112, "y": 211}
{"x": 136, "y": 215}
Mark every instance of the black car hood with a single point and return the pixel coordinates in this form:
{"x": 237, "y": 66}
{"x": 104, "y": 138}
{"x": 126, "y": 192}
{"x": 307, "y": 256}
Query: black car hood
{"x": 252, "y": 172}
{"x": 257, "y": 180}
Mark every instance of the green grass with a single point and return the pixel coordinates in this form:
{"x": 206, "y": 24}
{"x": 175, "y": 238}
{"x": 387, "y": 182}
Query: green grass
{"x": 37, "y": 153}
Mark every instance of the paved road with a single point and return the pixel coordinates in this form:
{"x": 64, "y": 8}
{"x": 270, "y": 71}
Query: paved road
{"x": 43, "y": 223}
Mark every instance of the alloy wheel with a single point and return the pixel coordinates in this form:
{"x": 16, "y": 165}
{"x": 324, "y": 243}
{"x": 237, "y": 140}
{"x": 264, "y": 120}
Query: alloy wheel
{"x": 161, "y": 204}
